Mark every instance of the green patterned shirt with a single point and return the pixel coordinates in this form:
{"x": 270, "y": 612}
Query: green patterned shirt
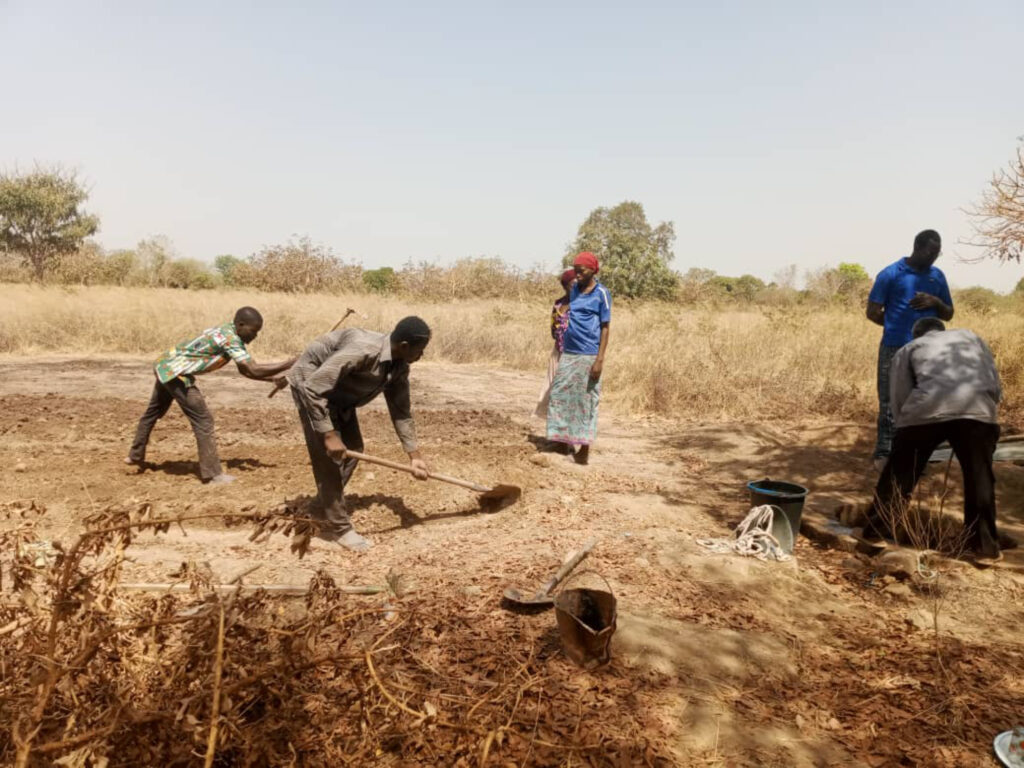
{"x": 207, "y": 352}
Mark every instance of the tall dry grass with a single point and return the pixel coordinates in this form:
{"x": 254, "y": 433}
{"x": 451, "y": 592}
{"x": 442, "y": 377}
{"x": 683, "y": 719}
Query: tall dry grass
{"x": 763, "y": 363}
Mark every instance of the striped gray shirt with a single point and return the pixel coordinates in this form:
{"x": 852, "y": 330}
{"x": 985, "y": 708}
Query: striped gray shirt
{"x": 346, "y": 369}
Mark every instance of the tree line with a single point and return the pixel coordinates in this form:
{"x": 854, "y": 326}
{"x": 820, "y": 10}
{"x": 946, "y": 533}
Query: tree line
{"x": 45, "y": 231}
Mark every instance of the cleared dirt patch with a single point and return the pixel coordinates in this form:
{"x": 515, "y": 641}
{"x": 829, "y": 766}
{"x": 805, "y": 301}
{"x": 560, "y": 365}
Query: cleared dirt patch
{"x": 718, "y": 660}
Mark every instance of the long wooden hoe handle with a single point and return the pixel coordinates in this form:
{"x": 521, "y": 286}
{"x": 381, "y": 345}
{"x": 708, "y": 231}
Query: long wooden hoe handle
{"x": 406, "y": 468}
{"x": 567, "y": 567}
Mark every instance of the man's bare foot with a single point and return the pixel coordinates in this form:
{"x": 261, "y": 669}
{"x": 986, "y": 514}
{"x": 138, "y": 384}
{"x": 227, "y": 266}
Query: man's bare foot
{"x": 139, "y": 464}
{"x": 221, "y": 479}
{"x": 352, "y": 540}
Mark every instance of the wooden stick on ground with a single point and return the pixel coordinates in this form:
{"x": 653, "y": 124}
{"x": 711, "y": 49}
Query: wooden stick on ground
{"x": 281, "y": 589}
{"x": 218, "y": 670}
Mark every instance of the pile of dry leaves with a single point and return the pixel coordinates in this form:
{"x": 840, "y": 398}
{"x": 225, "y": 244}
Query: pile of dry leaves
{"x": 94, "y": 676}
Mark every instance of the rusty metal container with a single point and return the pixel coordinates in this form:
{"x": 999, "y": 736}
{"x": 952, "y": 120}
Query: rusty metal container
{"x": 586, "y": 622}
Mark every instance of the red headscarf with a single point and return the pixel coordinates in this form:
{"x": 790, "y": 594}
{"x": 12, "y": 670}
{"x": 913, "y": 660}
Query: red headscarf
{"x": 567, "y": 277}
{"x": 588, "y": 260}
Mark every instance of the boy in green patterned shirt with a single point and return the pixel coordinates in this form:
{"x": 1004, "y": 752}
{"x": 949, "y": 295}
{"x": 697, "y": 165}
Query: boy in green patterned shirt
{"x": 175, "y": 372}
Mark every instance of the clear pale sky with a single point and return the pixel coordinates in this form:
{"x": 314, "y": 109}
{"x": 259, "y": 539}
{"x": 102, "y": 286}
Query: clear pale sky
{"x": 770, "y": 133}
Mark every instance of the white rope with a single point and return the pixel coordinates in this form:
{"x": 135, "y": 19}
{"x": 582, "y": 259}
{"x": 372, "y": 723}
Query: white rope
{"x": 752, "y": 537}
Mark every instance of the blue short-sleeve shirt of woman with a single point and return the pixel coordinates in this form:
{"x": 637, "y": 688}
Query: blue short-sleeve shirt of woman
{"x": 587, "y": 311}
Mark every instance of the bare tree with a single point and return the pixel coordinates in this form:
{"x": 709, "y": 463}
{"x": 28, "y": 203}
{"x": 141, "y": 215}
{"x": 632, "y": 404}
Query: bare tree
{"x": 998, "y": 219}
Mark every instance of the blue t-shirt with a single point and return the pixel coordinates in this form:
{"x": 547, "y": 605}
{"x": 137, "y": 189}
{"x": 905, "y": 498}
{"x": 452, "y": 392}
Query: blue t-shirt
{"x": 894, "y": 287}
{"x": 586, "y": 313}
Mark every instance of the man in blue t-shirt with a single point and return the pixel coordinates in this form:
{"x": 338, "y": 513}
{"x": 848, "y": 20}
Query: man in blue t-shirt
{"x": 903, "y": 293}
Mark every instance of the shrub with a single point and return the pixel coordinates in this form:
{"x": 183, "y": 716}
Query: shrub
{"x": 474, "y": 278}
{"x": 226, "y": 266}
{"x": 186, "y": 273}
{"x": 977, "y": 299}
{"x": 383, "y": 280}
{"x": 299, "y": 266}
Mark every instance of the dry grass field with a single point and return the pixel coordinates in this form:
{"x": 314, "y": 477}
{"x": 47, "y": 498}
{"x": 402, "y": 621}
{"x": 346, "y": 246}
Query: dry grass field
{"x": 829, "y": 659}
{"x": 767, "y": 363}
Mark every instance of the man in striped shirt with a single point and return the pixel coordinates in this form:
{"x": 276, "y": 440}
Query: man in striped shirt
{"x": 338, "y": 373}
{"x": 175, "y": 373}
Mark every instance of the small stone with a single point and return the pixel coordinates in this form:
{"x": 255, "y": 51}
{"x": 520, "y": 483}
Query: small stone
{"x": 922, "y": 618}
{"x": 539, "y": 459}
{"x": 473, "y": 591}
{"x": 800, "y": 722}
{"x": 642, "y": 562}
{"x": 899, "y": 563}
{"x": 899, "y": 589}
{"x": 833, "y": 724}
{"x": 852, "y": 564}
{"x": 567, "y": 501}
{"x": 20, "y": 467}
{"x": 370, "y": 476}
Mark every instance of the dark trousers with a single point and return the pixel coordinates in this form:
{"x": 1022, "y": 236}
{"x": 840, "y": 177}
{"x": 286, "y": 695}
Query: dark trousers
{"x": 331, "y": 479}
{"x": 194, "y": 407}
{"x": 883, "y": 445}
{"x": 974, "y": 442}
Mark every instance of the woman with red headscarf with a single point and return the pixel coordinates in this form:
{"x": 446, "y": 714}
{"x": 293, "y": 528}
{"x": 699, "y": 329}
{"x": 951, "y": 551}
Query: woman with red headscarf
{"x": 576, "y": 390}
{"x": 559, "y": 323}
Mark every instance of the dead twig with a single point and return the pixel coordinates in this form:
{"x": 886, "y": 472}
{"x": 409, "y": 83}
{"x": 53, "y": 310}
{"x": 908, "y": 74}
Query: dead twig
{"x": 218, "y": 671}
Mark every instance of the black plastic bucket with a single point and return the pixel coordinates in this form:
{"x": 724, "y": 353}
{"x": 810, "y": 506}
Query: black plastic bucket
{"x": 789, "y": 497}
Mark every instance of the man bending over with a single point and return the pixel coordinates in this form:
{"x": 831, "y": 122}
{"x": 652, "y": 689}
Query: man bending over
{"x": 944, "y": 386}
{"x": 338, "y": 373}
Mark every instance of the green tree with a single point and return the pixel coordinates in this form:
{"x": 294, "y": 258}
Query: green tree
{"x": 226, "y": 265}
{"x": 41, "y": 217}
{"x": 742, "y": 288}
{"x": 852, "y": 279}
{"x": 846, "y": 283}
{"x": 187, "y": 273}
{"x": 382, "y": 280}
{"x": 634, "y": 255}
{"x": 119, "y": 267}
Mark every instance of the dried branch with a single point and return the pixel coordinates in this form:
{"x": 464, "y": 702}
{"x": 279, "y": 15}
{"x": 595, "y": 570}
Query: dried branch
{"x": 218, "y": 671}
{"x": 998, "y": 219}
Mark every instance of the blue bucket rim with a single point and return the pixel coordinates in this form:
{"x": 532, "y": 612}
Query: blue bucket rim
{"x": 753, "y": 485}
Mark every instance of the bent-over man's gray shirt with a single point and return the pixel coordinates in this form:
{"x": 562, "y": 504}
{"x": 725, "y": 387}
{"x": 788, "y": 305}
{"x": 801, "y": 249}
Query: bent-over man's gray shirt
{"x": 944, "y": 375}
{"x": 346, "y": 369}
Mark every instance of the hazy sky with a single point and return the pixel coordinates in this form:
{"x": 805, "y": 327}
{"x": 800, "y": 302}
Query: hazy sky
{"x": 770, "y": 133}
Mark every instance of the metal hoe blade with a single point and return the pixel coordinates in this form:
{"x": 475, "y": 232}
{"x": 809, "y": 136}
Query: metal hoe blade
{"x": 543, "y": 597}
{"x": 499, "y": 497}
